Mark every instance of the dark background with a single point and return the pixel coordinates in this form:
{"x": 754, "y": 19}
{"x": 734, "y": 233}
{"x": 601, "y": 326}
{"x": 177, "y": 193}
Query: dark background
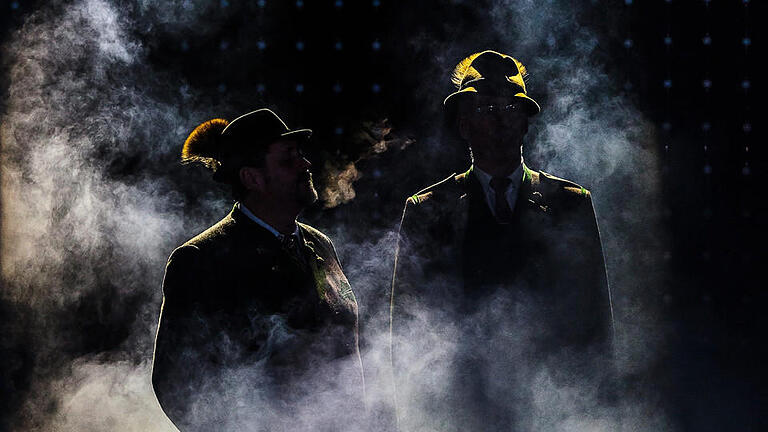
{"x": 341, "y": 68}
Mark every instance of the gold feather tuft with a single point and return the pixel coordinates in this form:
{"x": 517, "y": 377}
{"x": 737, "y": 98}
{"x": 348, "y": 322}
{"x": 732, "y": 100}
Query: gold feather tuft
{"x": 464, "y": 71}
{"x": 523, "y": 73}
{"x": 202, "y": 145}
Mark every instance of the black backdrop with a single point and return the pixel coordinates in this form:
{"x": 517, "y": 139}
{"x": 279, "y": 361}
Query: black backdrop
{"x": 342, "y": 68}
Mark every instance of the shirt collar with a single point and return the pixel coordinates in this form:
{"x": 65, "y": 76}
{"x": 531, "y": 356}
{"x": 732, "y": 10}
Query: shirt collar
{"x": 265, "y": 225}
{"x": 485, "y": 178}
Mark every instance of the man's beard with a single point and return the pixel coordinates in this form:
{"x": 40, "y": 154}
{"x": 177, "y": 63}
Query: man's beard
{"x": 306, "y": 192}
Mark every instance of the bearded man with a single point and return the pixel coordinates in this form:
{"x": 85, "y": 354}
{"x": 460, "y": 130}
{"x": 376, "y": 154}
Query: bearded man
{"x": 258, "y": 328}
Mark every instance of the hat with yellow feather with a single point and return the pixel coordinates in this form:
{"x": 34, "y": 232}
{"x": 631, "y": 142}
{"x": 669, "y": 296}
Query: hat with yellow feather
{"x": 490, "y": 73}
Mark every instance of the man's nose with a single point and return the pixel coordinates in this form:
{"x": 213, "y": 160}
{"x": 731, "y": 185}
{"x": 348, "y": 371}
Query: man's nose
{"x": 305, "y": 163}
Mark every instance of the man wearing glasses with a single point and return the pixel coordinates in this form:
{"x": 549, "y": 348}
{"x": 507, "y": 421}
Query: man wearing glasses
{"x": 499, "y": 276}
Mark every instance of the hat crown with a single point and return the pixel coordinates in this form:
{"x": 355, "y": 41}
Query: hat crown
{"x": 491, "y": 73}
{"x": 496, "y": 67}
{"x": 256, "y": 124}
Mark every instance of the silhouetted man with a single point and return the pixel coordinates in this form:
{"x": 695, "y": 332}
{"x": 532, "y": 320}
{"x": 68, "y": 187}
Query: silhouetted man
{"x": 258, "y": 329}
{"x": 500, "y": 302}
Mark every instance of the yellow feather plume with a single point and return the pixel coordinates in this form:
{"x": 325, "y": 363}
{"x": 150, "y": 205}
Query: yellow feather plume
{"x": 202, "y": 145}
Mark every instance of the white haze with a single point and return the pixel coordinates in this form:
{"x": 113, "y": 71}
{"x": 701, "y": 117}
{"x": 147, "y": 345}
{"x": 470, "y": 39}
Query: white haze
{"x": 81, "y": 92}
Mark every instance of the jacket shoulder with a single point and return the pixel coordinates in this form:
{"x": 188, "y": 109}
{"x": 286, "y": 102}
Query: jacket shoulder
{"x": 181, "y": 269}
{"x": 212, "y": 235}
{"x": 449, "y": 187}
{"x": 561, "y": 188}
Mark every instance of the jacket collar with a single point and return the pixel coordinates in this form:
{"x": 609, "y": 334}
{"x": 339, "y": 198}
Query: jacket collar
{"x": 264, "y": 238}
{"x": 257, "y": 233}
{"x": 530, "y": 196}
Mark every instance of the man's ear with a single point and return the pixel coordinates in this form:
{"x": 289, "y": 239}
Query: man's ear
{"x": 252, "y": 179}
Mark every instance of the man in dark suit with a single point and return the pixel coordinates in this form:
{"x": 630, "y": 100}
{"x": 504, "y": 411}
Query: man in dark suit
{"x": 258, "y": 328}
{"x": 499, "y": 292}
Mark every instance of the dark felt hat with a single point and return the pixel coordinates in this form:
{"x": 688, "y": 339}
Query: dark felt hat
{"x": 491, "y": 73}
{"x": 225, "y": 147}
{"x": 258, "y": 128}
{"x": 249, "y": 135}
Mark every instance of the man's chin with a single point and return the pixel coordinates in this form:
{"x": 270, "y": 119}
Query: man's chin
{"x": 307, "y": 194}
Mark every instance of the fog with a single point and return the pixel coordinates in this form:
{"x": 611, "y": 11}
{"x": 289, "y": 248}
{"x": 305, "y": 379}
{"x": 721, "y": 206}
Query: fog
{"x": 84, "y": 245}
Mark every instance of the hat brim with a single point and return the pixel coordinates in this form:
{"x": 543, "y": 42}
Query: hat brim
{"x": 532, "y": 107}
{"x": 298, "y": 134}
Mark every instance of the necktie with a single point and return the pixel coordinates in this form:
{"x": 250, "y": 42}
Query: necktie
{"x": 502, "y": 211}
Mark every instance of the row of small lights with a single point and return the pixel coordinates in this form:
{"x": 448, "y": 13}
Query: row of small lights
{"x": 299, "y": 88}
{"x": 745, "y": 84}
{"x": 338, "y": 4}
{"x": 667, "y": 125}
{"x": 300, "y": 45}
{"x": 706, "y": 83}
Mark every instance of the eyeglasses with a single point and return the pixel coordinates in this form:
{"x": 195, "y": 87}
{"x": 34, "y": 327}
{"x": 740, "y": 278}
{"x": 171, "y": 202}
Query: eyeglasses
{"x": 491, "y": 109}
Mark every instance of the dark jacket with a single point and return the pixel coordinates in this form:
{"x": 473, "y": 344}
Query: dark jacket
{"x": 491, "y": 304}
{"x": 251, "y": 335}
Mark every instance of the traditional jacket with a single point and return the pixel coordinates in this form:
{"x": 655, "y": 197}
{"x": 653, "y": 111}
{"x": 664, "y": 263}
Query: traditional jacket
{"x": 255, "y": 335}
{"x": 479, "y": 307}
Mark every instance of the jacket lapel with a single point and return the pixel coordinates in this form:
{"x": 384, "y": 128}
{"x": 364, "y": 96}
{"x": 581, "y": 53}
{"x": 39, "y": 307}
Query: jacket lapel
{"x": 530, "y": 192}
{"x": 330, "y": 282}
{"x": 316, "y": 263}
{"x": 461, "y": 213}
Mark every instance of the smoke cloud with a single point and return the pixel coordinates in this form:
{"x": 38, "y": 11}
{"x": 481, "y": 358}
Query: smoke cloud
{"x": 92, "y": 204}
